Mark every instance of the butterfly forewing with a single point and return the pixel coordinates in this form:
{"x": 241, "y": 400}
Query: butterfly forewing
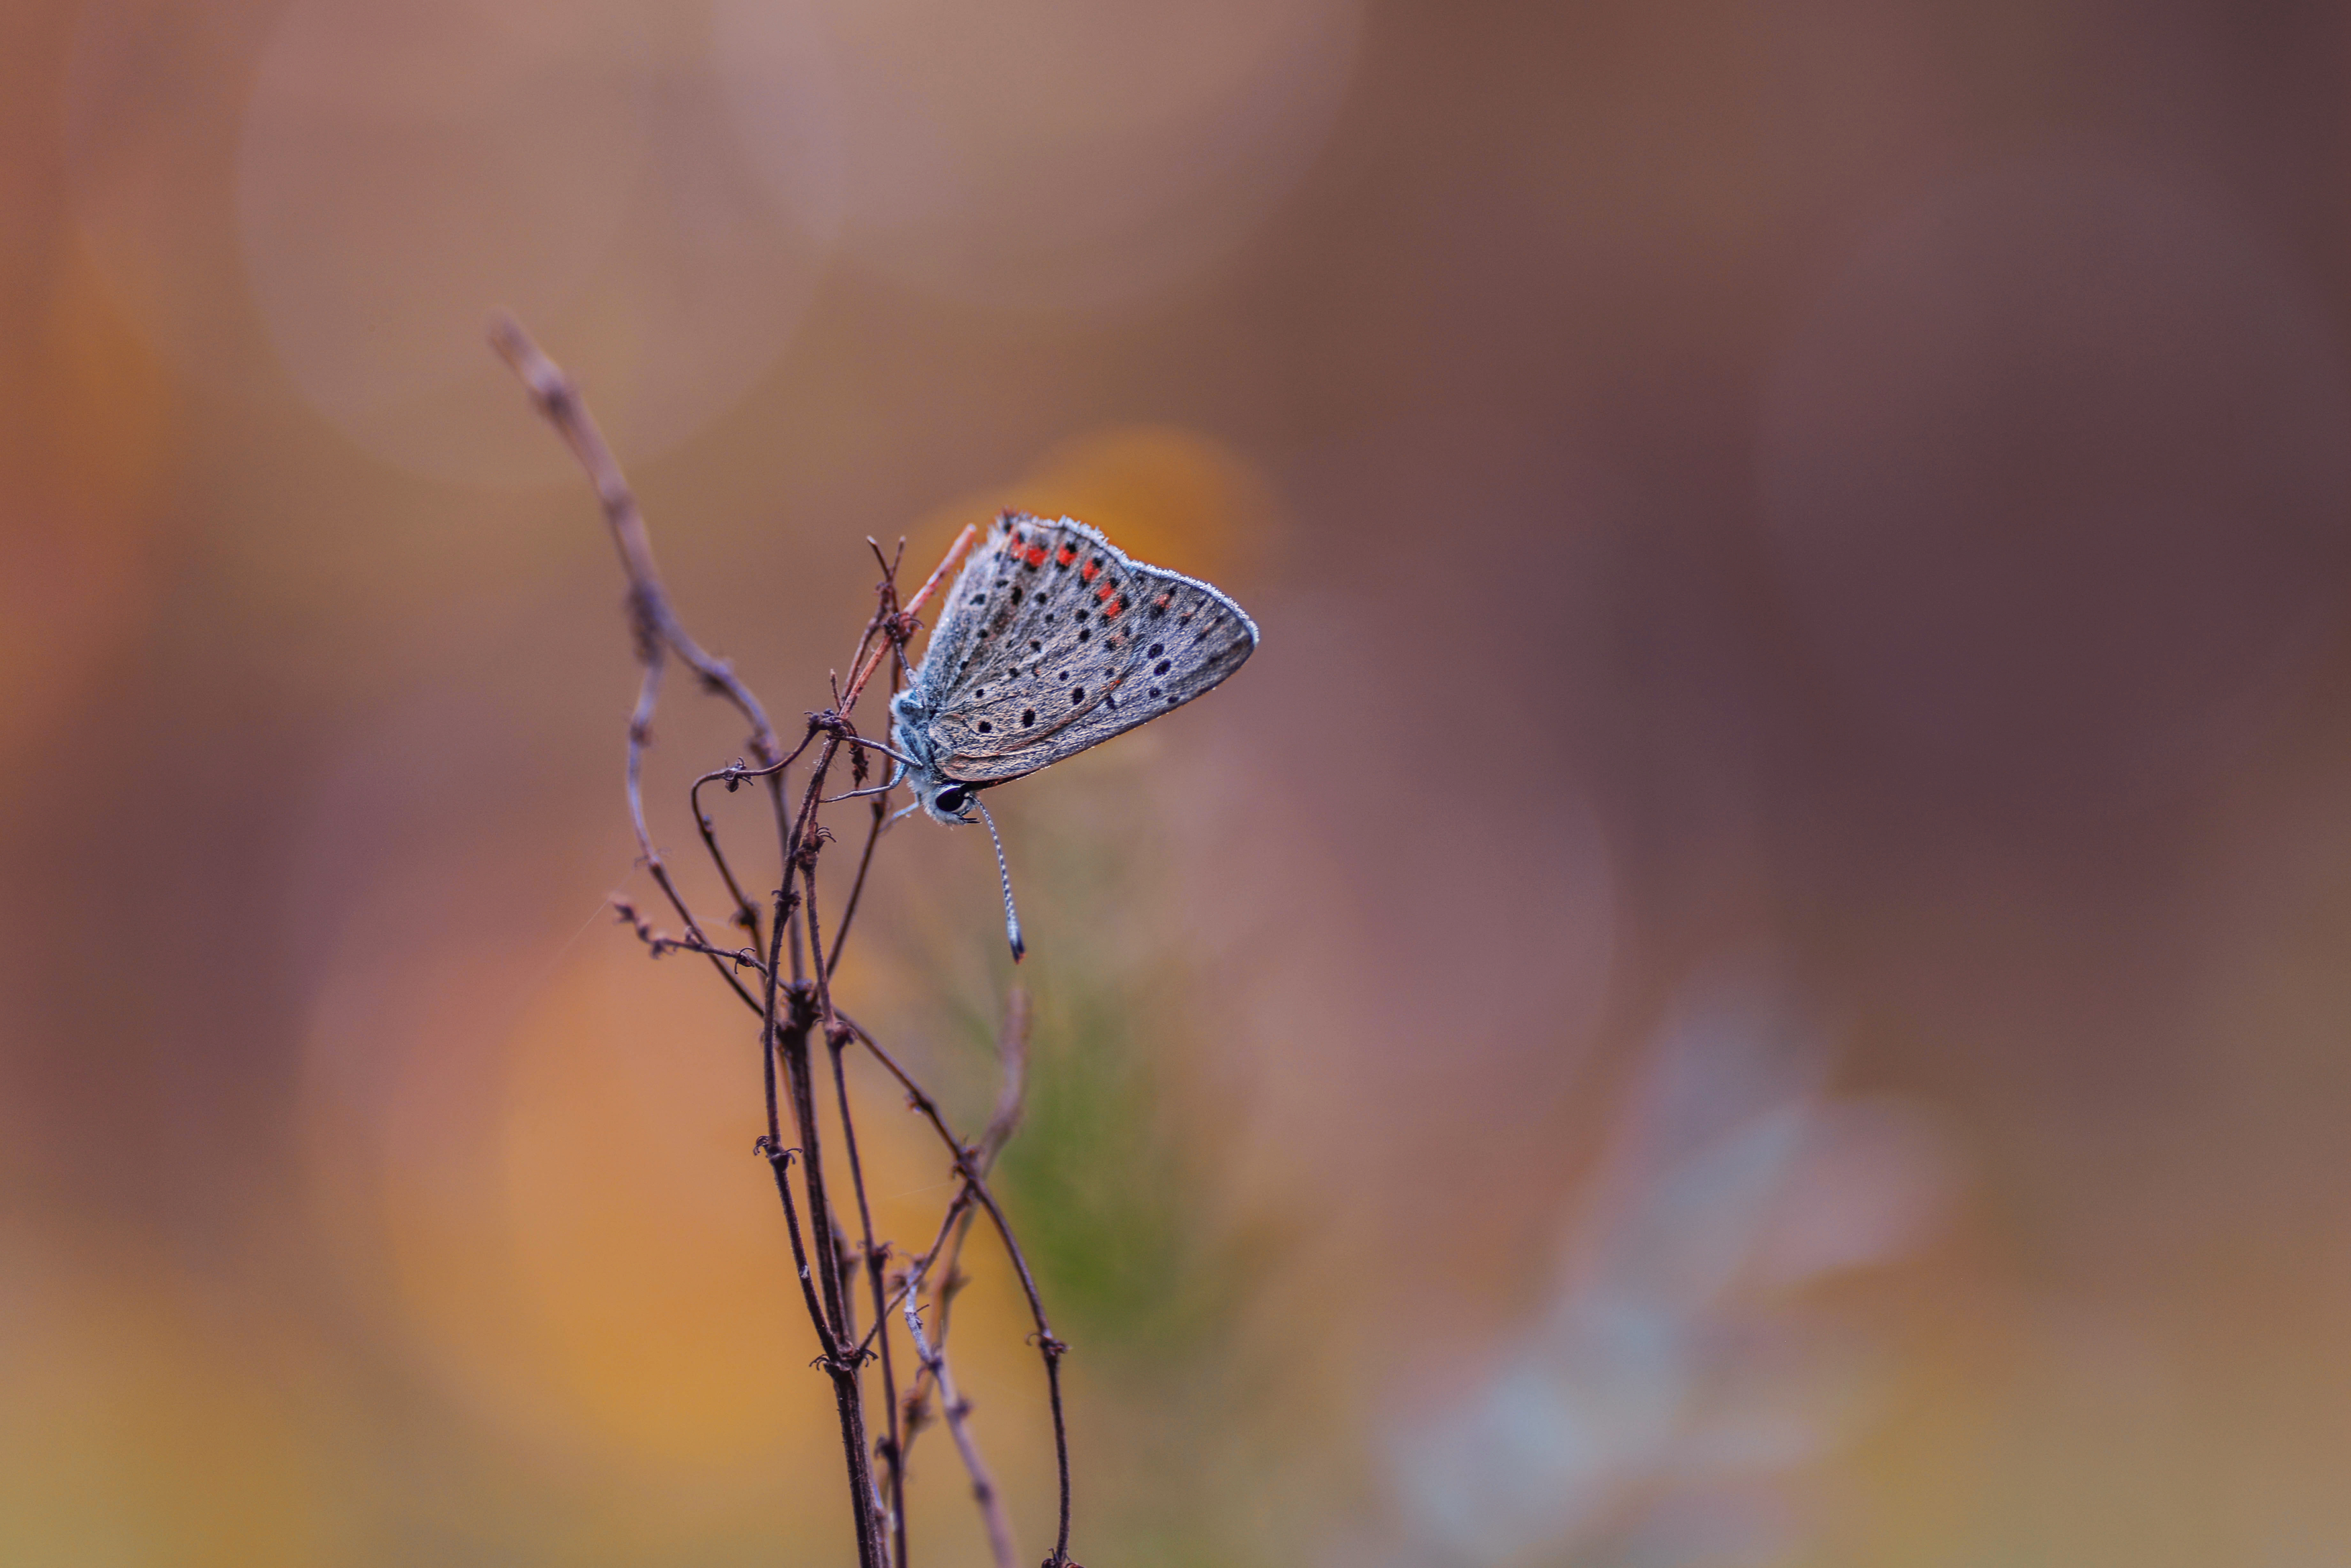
{"x": 1054, "y": 641}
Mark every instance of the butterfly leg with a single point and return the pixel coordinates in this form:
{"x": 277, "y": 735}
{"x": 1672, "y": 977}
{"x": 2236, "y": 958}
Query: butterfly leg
{"x": 877, "y": 789}
{"x": 902, "y": 757}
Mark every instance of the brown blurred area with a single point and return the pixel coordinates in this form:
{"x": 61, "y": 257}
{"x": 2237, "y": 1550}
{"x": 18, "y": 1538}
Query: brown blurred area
{"x": 1753, "y": 973}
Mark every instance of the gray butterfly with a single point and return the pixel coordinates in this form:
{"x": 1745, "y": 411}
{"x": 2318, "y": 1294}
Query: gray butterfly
{"x": 1052, "y": 640}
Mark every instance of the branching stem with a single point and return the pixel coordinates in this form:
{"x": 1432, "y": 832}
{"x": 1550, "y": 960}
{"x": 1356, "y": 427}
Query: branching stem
{"x": 794, "y": 997}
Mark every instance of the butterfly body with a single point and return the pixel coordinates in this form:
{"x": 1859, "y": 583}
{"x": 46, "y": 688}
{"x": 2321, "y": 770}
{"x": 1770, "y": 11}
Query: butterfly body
{"x": 1053, "y": 640}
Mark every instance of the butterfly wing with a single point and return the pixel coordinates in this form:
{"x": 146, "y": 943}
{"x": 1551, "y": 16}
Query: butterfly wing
{"x": 1054, "y": 640}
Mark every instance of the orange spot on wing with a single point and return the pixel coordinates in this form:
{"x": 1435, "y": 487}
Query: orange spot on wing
{"x": 1036, "y": 556}
{"x": 1086, "y": 573}
{"x": 1112, "y": 608}
{"x": 1068, "y": 554}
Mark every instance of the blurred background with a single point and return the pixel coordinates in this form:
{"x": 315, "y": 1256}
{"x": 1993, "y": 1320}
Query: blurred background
{"x": 1753, "y": 974}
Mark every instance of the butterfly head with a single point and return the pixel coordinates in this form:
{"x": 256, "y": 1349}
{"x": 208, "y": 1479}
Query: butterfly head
{"x": 950, "y": 801}
{"x": 943, "y": 799}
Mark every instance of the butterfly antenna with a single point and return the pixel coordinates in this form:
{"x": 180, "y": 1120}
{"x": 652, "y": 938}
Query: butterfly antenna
{"x": 1011, "y": 915}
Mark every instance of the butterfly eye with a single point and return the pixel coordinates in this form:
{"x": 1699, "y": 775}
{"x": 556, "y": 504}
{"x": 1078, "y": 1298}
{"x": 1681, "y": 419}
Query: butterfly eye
{"x": 952, "y": 799}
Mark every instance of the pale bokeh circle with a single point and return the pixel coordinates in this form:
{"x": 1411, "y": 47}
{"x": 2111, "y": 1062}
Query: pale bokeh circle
{"x": 151, "y": 97}
{"x": 403, "y": 172}
{"x": 1039, "y": 153}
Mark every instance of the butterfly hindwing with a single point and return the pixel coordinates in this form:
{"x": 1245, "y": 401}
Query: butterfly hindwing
{"x": 1185, "y": 638}
{"x": 1053, "y": 642}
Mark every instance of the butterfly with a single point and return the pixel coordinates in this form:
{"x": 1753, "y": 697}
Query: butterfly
{"x": 1052, "y": 640}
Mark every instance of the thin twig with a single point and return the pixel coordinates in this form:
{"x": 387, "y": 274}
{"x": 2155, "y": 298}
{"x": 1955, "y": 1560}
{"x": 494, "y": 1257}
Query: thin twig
{"x": 733, "y": 775}
{"x": 1013, "y": 1055}
{"x": 793, "y": 1045}
{"x": 652, "y": 623}
{"x": 842, "y": 1370}
{"x": 659, "y": 944}
{"x": 558, "y": 400}
{"x": 747, "y": 913}
{"x": 891, "y": 1445}
{"x": 957, "y": 1411}
{"x": 885, "y": 621}
{"x": 836, "y": 1040}
{"x": 887, "y": 597}
{"x": 912, "y": 1279}
{"x": 1011, "y": 1094}
{"x": 857, "y": 887}
{"x": 739, "y": 956}
{"x": 1012, "y": 1050}
{"x": 777, "y": 1160}
{"x": 1050, "y": 1348}
{"x": 805, "y": 843}
{"x": 796, "y": 1068}
{"x": 896, "y": 1501}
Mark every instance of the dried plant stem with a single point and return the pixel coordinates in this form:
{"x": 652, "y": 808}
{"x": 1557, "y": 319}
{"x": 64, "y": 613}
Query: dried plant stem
{"x": 892, "y": 1450}
{"x": 794, "y": 998}
{"x": 747, "y": 913}
{"x": 786, "y": 1037}
{"x": 857, "y": 889}
{"x": 1012, "y": 1057}
{"x": 957, "y": 1412}
{"x": 1049, "y": 1347}
{"x": 653, "y": 622}
{"x": 802, "y": 852}
{"x": 559, "y": 401}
